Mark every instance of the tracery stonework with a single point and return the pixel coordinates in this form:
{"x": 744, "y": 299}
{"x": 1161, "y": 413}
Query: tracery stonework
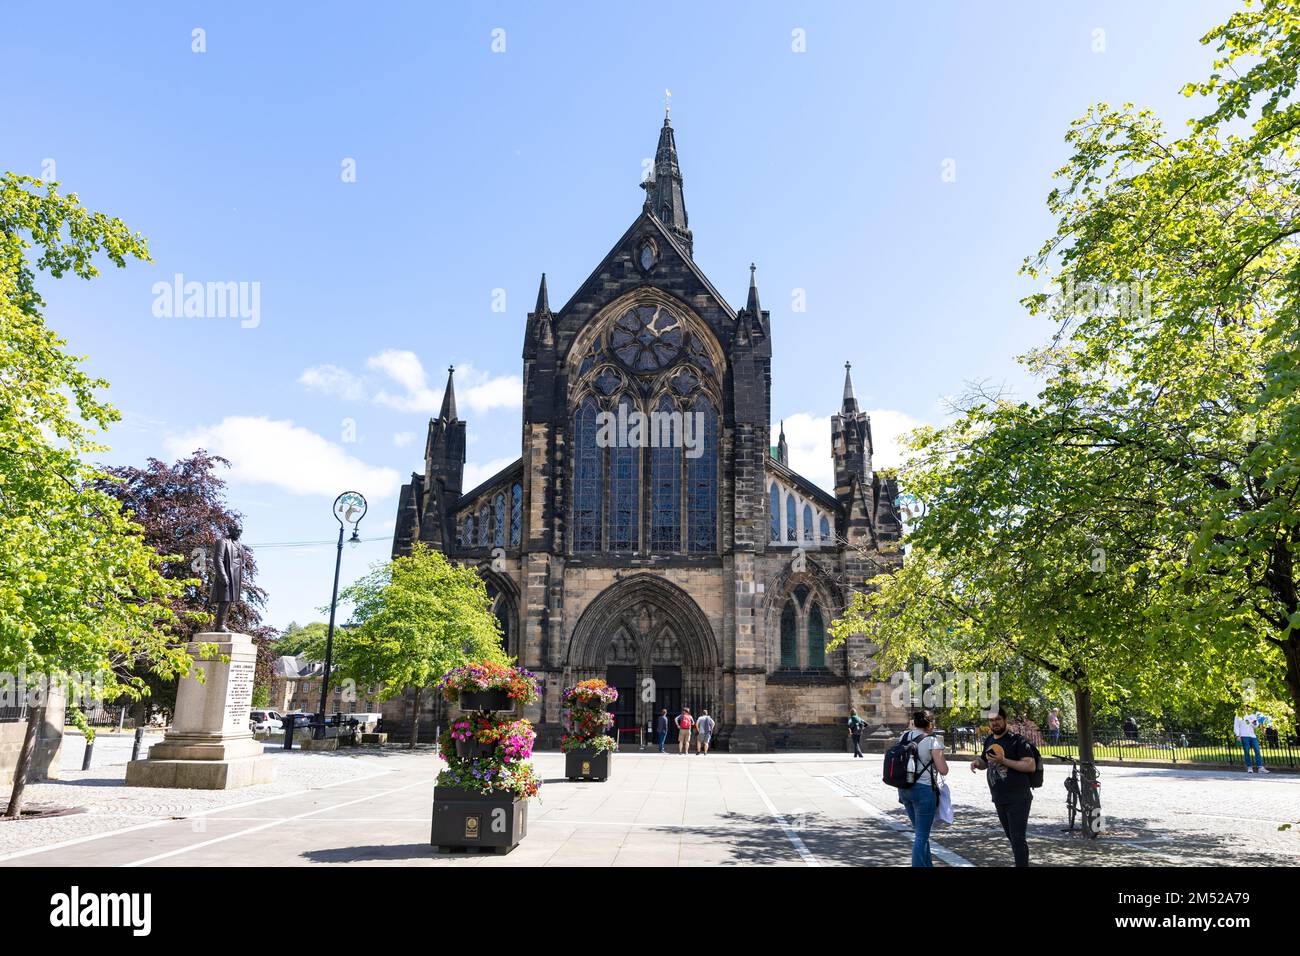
{"x": 696, "y": 570}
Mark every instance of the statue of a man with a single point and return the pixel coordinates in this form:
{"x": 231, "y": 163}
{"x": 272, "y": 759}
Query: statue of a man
{"x": 228, "y": 574}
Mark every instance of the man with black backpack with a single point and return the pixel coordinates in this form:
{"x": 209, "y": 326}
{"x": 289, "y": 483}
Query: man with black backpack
{"x": 1013, "y": 766}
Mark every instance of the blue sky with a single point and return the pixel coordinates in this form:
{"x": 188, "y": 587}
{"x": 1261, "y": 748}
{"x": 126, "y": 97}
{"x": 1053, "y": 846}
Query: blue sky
{"x": 476, "y": 169}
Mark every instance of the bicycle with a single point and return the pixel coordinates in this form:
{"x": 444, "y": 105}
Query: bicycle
{"x": 1083, "y": 797}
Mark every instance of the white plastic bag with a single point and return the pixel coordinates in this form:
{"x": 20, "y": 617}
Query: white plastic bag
{"x": 945, "y": 803}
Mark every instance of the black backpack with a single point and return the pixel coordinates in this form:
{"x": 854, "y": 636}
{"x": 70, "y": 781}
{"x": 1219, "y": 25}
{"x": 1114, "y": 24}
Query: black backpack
{"x": 1035, "y": 775}
{"x": 899, "y": 757}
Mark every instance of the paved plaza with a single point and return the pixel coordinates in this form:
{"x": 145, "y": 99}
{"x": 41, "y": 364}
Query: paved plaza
{"x": 373, "y": 807}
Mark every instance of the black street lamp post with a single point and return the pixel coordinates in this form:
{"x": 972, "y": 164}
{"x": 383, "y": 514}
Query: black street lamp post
{"x": 349, "y": 508}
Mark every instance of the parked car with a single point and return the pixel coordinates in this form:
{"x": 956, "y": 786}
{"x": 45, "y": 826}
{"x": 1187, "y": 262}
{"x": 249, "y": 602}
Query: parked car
{"x": 265, "y": 721}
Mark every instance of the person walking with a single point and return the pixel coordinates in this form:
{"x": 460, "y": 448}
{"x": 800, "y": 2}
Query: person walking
{"x": 684, "y": 722}
{"x": 661, "y": 728}
{"x": 921, "y": 799}
{"x": 1131, "y": 729}
{"x": 1054, "y": 725}
{"x": 703, "y": 733}
{"x": 1244, "y": 728}
{"x": 1008, "y": 762}
{"x": 856, "y": 724}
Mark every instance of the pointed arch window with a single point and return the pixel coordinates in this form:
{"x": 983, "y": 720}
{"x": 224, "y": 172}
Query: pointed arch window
{"x": 807, "y": 524}
{"x": 516, "y": 514}
{"x": 774, "y": 510}
{"x": 665, "y": 484}
{"x": 825, "y": 530}
{"x": 624, "y": 489}
{"x": 816, "y": 638}
{"x": 467, "y": 532}
{"x": 789, "y": 636}
{"x": 588, "y": 480}
{"x": 791, "y": 524}
{"x": 702, "y": 481}
{"x": 484, "y": 525}
{"x": 499, "y": 521}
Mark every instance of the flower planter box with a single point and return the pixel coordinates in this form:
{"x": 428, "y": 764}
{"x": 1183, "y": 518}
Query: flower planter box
{"x": 485, "y": 700}
{"x": 464, "y": 820}
{"x": 586, "y": 764}
{"x": 472, "y": 749}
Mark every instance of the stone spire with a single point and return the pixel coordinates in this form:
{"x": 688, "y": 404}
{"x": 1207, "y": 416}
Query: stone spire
{"x": 543, "y": 301}
{"x": 782, "y": 449}
{"x": 664, "y": 189}
{"x": 850, "y": 404}
{"x": 751, "y": 305}
{"x": 448, "y": 413}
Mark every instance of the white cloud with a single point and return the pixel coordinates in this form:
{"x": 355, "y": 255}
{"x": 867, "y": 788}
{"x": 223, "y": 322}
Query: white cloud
{"x": 476, "y": 474}
{"x": 809, "y": 440}
{"x": 332, "y": 380}
{"x": 288, "y": 456}
{"x": 402, "y": 439}
{"x": 476, "y": 391}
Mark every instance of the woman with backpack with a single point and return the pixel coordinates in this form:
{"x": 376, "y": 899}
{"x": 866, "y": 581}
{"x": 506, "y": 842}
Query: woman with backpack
{"x": 921, "y": 799}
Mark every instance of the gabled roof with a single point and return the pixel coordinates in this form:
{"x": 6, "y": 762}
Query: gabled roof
{"x": 582, "y": 291}
{"x": 501, "y": 477}
{"x": 810, "y": 490}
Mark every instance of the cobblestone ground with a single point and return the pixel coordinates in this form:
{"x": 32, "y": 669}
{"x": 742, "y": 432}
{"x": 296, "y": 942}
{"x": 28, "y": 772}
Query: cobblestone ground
{"x": 373, "y": 807}
{"x": 1154, "y": 817}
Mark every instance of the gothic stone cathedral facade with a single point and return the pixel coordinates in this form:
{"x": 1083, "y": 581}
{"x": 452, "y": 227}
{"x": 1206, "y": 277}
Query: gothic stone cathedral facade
{"x": 704, "y": 580}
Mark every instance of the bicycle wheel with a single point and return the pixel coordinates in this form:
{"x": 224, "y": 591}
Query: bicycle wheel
{"x": 1071, "y": 800}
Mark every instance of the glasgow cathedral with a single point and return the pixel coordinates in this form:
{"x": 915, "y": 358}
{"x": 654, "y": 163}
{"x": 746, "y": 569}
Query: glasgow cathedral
{"x": 705, "y": 577}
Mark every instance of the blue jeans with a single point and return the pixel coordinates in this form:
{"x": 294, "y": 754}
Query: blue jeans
{"x": 663, "y": 737}
{"x": 921, "y": 803}
{"x": 1247, "y": 744}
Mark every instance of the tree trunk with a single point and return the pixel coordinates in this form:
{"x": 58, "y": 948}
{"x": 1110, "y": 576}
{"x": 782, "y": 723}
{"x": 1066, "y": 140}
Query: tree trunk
{"x": 415, "y": 719}
{"x": 1291, "y": 652}
{"x": 35, "y": 718}
{"x": 1083, "y": 719}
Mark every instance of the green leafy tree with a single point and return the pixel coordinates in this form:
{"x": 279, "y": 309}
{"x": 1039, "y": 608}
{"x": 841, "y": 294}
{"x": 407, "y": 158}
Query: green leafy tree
{"x": 1165, "y": 442}
{"x": 413, "y": 619}
{"x": 81, "y": 595}
{"x": 307, "y": 640}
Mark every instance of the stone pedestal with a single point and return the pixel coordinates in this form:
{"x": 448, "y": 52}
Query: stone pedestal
{"x": 209, "y": 745}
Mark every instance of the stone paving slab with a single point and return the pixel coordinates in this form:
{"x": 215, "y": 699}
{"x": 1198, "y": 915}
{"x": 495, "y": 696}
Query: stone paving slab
{"x": 372, "y": 807}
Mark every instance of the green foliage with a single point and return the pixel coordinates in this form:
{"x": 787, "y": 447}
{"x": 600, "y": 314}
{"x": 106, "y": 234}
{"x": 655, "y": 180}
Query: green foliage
{"x": 308, "y": 641}
{"x": 261, "y": 696}
{"x": 1134, "y": 531}
{"x": 413, "y": 619}
{"x": 80, "y": 592}
{"x": 77, "y": 719}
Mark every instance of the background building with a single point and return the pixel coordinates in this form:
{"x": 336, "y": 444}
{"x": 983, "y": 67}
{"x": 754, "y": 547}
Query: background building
{"x": 699, "y": 580}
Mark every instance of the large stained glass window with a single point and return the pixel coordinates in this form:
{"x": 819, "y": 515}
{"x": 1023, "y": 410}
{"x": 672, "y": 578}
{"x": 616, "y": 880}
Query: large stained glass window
{"x": 789, "y": 628}
{"x": 791, "y": 523}
{"x": 484, "y": 525}
{"x": 774, "y": 508}
{"x": 816, "y": 638}
{"x": 516, "y": 514}
{"x": 807, "y": 523}
{"x": 624, "y": 491}
{"x": 588, "y": 480}
{"x": 499, "y": 521}
{"x": 702, "y": 481}
{"x": 826, "y": 530}
{"x": 665, "y": 488}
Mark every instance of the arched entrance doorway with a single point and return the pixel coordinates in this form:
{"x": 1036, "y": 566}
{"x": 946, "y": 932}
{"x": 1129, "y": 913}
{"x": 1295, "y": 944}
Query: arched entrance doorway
{"x": 649, "y": 639}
